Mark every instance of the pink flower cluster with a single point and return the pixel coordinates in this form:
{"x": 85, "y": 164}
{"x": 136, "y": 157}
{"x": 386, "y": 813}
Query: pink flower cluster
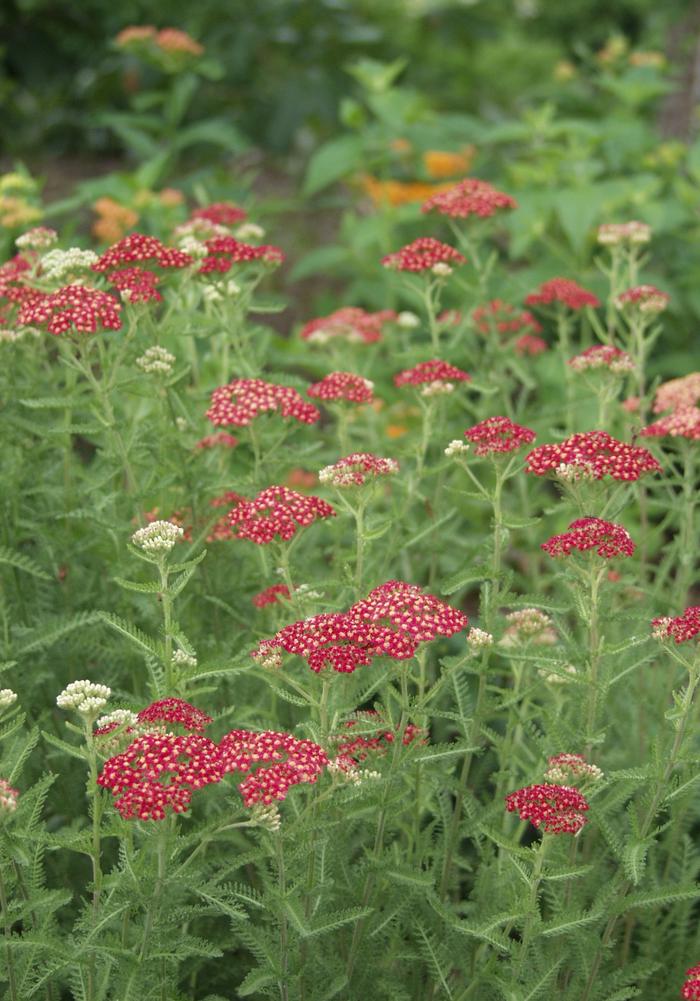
{"x": 213, "y": 440}
{"x": 469, "y": 197}
{"x": 353, "y": 750}
{"x": 225, "y": 251}
{"x": 684, "y": 422}
{"x": 350, "y": 323}
{"x": 391, "y": 622}
{"x": 356, "y": 469}
{"x": 645, "y": 298}
{"x": 557, "y": 809}
{"x": 678, "y": 393}
{"x": 138, "y": 248}
{"x": 271, "y": 595}
{"x": 593, "y": 454}
{"x": 569, "y": 293}
{"x": 682, "y": 628}
{"x": 293, "y": 761}
{"x": 276, "y": 511}
{"x": 608, "y": 539}
{"x": 342, "y": 386}
{"x": 220, "y": 213}
{"x": 175, "y": 711}
{"x": 74, "y": 307}
{"x": 430, "y": 372}
{"x": 497, "y": 435}
{"x": 602, "y": 356}
{"x": 138, "y": 284}
{"x": 422, "y": 255}
{"x": 691, "y": 988}
{"x": 242, "y": 400}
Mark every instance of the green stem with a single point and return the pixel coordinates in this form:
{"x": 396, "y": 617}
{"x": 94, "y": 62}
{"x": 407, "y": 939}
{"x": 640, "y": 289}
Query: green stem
{"x": 166, "y": 602}
{"x": 7, "y": 925}
{"x": 284, "y": 933}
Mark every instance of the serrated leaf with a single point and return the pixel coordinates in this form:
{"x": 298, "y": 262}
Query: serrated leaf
{"x": 63, "y": 746}
{"x": 462, "y": 578}
{"x": 21, "y": 562}
{"x": 151, "y": 587}
{"x": 568, "y": 923}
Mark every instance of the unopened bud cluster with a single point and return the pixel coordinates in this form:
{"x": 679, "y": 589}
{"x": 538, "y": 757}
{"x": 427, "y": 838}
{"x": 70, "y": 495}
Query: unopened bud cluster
{"x": 158, "y": 537}
{"x": 267, "y": 816}
{"x": 39, "y": 238}
{"x": 7, "y": 697}
{"x": 456, "y": 447}
{"x": 612, "y": 234}
{"x": 478, "y": 639}
{"x": 183, "y": 659}
{"x": 85, "y": 697}
{"x": 58, "y": 265}
{"x": 156, "y": 360}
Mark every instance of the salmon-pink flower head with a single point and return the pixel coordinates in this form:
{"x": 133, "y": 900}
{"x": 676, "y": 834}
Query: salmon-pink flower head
{"x": 681, "y": 423}
{"x": 176, "y": 40}
{"x": 592, "y": 455}
{"x": 602, "y": 356}
{"x": 220, "y": 213}
{"x": 39, "y": 238}
{"x": 644, "y": 298}
{"x": 423, "y": 254}
{"x": 608, "y": 539}
{"x": 221, "y": 438}
{"x": 690, "y": 990}
{"x": 505, "y": 319}
{"x": 74, "y": 307}
{"x": 497, "y": 435}
{"x": 8, "y": 797}
{"x": 158, "y": 772}
{"x": 276, "y": 511}
{"x": 223, "y": 252}
{"x": 342, "y": 386}
{"x": 680, "y": 629}
{"x": 530, "y": 344}
{"x": 678, "y": 393}
{"x": 136, "y": 284}
{"x": 135, "y": 33}
{"x": 557, "y": 809}
{"x": 562, "y": 290}
{"x": 242, "y": 400}
{"x": 351, "y": 324}
{"x": 434, "y": 376}
{"x": 293, "y": 761}
{"x": 175, "y": 711}
{"x": 529, "y": 625}
{"x": 570, "y": 768}
{"x": 469, "y": 197}
{"x": 357, "y": 469}
{"x": 137, "y": 249}
{"x": 391, "y": 622}
{"x": 615, "y": 233}
{"x": 271, "y": 595}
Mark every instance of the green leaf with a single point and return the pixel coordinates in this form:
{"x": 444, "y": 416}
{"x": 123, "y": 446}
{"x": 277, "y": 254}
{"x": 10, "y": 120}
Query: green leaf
{"x": 334, "y": 160}
{"x": 254, "y": 980}
{"x": 139, "y": 639}
{"x": 462, "y": 578}
{"x": 152, "y": 587}
{"x": 63, "y": 746}
{"x": 21, "y": 562}
{"x": 567, "y": 923}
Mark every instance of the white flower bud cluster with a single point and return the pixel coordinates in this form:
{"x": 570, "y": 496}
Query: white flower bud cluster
{"x": 266, "y": 815}
{"x": 183, "y": 659}
{"x": 271, "y": 661}
{"x": 39, "y": 238}
{"x": 407, "y": 320}
{"x": 158, "y": 537}
{"x": 249, "y": 231}
{"x": 573, "y": 472}
{"x": 221, "y": 291}
{"x": 8, "y": 797}
{"x": 612, "y": 234}
{"x": 456, "y": 447}
{"x": 181, "y": 423}
{"x": 566, "y": 768}
{"x": 557, "y": 677}
{"x": 7, "y": 697}
{"x": 478, "y": 639}
{"x": 437, "y": 388}
{"x": 156, "y": 360}
{"x": 660, "y": 628}
{"x": 122, "y": 717}
{"x": 192, "y": 246}
{"x": 86, "y": 697}
{"x": 529, "y": 625}
{"x": 351, "y": 775}
{"x": 59, "y": 264}
{"x": 441, "y": 269}
{"x": 306, "y": 591}
{"x": 198, "y": 229}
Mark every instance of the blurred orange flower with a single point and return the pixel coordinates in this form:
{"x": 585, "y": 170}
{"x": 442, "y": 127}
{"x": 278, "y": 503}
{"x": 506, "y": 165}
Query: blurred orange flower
{"x": 113, "y": 220}
{"x": 440, "y": 163}
{"x": 398, "y": 192}
{"x": 174, "y": 40}
{"x": 396, "y": 430}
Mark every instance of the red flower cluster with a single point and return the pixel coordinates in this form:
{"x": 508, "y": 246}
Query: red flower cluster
{"x": 271, "y": 595}
{"x": 430, "y": 371}
{"x": 350, "y": 323}
{"x": 682, "y": 628}
{"x": 354, "y": 470}
{"x": 390, "y": 622}
{"x": 595, "y": 454}
{"x": 559, "y": 809}
{"x": 530, "y": 344}
{"x": 422, "y": 255}
{"x": 342, "y": 386}
{"x": 353, "y": 750}
{"x": 242, "y": 400}
{"x": 77, "y": 306}
{"x": 562, "y": 290}
{"x": 12, "y": 275}
{"x": 498, "y": 434}
{"x": 504, "y": 318}
{"x": 469, "y": 197}
{"x": 220, "y": 213}
{"x": 138, "y": 284}
{"x": 212, "y": 440}
{"x": 294, "y": 761}
{"x": 225, "y": 251}
{"x": 646, "y": 298}
{"x": 276, "y": 511}
{"x": 602, "y": 356}
{"x": 138, "y": 248}
{"x": 691, "y": 988}
{"x": 175, "y": 711}
{"x": 607, "y": 538}
{"x": 684, "y": 422}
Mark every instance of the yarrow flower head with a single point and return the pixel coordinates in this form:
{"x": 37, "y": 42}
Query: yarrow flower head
{"x": 676, "y": 394}
{"x": 529, "y": 625}
{"x": 137, "y": 248}
{"x": 690, "y": 990}
{"x": 293, "y": 761}
{"x": 608, "y": 539}
{"x": 156, "y": 360}
{"x": 357, "y": 469}
{"x": 223, "y": 252}
{"x": 181, "y": 658}
{"x": 592, "y": 455}
{"x": 505, "y": 319}
{"x": 116, "y": 718}
{"x": 680, "y": 629}
{"x": 271, "y": 595}
{"x": 39, "y": 238}
{"x": 354, "y": 749}
{"x": 74, "y": 307}
{"x": 684, "y": 422}
{"x": 613, "y": 234}
{"x": 644, "y": 298}
{"x": 136, "y": 284}
{"x": 276, "y": 511}
{"x": 342, "y": 386}
{"x": 602, "y": 356}
{"x": 8, "y": 797}
{"x": 558, "y": 809}
{"x": 158, "y": 537}
{"x": 85, "y": 697}
{"x": 221, "y": 438}
{"x": 562, "y": 290}
{"x": 570, "y": 768}
{"x": 59, "y": 265}
{"x": 220, "y": 213}
{"x": 436, "y": 375}
{"x": 175, "y": 711}
{"x": 242, "y": 400}
{"x": 498, "y": 435}
{"x": 456, "y": 447}
{"x": 479, "y": 639}
{"x": 469, "y": 197}
{"x": 423, "y": 254}
{"x": 7, "y": 697}
{"x": 351, "y": 324}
